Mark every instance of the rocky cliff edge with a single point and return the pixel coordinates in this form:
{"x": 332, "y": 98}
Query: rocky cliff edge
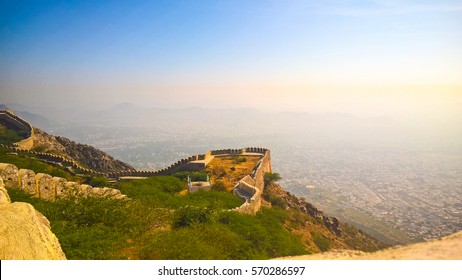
{"x": 25, "y": 233}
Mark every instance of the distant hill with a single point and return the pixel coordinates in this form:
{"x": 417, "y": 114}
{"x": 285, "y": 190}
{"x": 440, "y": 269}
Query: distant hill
{"x": 38, "y": 120}
{"x": 35, "y": 119}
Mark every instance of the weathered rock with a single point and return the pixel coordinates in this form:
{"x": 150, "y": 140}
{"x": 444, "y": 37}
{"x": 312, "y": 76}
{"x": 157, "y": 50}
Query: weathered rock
{"x": 4, "y": 197}
{"x": 45, "y": 186}
{"x": 9, "y": 173}
{"x": 48, "y": 187}
{"x": 85, "y": 190}
{"x": 26, "y": 181}
{"x": 25, "y": 234}
{"x": 71, "y": 189}
{"x": 292, "y": 201}
{"x": 106, "y": 192}
{"x": 59, "y": 185}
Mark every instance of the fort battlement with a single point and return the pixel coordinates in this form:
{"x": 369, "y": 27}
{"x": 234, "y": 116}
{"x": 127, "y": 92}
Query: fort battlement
{"x": 11, "y": 118}
{"x": 249, "y": 188}
{"x": 47, "y": 187}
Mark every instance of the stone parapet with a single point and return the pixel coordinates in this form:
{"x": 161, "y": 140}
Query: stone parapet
{"x": 47, "y": 187}
{"x": 20, "y": 123}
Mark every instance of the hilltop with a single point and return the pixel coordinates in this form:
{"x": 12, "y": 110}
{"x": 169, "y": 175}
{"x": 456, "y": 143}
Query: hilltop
{"x": 161, "y": 219}
{"x": 14, "y": 130}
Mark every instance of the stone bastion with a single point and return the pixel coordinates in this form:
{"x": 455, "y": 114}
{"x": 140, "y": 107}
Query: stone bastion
{"x": 11, "y": 118}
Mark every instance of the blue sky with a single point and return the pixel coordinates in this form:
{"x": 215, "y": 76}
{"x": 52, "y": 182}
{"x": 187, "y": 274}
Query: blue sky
{"x": 274, "y": 54}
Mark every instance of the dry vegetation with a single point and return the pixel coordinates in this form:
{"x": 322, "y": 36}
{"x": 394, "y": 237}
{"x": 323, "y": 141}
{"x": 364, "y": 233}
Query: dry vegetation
{"x": 230, "y": 169}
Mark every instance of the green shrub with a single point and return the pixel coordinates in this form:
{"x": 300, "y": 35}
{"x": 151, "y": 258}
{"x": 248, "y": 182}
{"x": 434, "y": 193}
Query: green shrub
{"x": 321, "y": 242}
{"x": 271, "y": 178}
{"x": 274, "y": 199}
{"x": 265, "y": 232}
{"x": 97, "y": 181}
{"x": 211, "y": 200}
{"x": 39, "y": 149}
{"x": 238, "y": 159}
{"x": 194, "y": 176}
{"x": 219, "y": 186}
{"x": 198, "y": 242}
{"x": 278, "y": 202}
{"x": 189, "y": 216}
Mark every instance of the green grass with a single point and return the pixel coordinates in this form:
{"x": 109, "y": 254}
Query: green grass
{"x": 158, "y": 223}
{"x": 95, "y": 228}
{"x": 193, "y": 175}
{"x": 162, "y": 191}
{"x": 10, "y": 136}
{"x": 226, "y": 235}
{"x": 321, "y": 242}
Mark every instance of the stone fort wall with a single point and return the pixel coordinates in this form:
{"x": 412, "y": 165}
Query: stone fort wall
{"x": 254, "y": 184}
{"x": 9, "y": 117}
{"x": 47, "y": 187}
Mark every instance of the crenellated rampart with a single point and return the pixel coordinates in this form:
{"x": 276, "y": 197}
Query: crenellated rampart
{"x": 47, "y": 187}
{"x": 250, "y": 188}
{"x": 9, "y": 117}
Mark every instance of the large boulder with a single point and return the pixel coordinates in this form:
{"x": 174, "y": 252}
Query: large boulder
{"x": 9, "y": 173}
{"x": 45, "y": 186}
{"x": 71, "y": 189}
{"x": 85, "y": 190}
{"x": 25, "y": 234}
{"x": 26, "y": 180}
{"x": 108, "y": 192}
{"x": 59, "y": 185}
{"x": 4, "y": 197}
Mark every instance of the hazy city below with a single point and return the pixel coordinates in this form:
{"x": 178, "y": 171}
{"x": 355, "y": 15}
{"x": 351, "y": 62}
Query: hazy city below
{"x": 398, "y": 180}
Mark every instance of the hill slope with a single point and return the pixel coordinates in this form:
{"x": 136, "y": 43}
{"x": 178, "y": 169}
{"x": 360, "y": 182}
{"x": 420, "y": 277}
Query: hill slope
{"x": 86, "y": 155}
{"x": 318, "y": 231}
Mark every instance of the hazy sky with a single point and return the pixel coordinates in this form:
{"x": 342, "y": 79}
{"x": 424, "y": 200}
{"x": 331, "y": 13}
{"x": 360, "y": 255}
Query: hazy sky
{"x": 367, "y": 57}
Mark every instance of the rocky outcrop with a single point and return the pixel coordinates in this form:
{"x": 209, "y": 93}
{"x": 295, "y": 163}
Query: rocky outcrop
{"x": 9, "y": 173}
{"x": 292, "y": 201}
{"x": 85, "y": 155}
{"x": 25, "y": 234}
{"x": 4, "y": 197}
{"x": 91, "y": 157}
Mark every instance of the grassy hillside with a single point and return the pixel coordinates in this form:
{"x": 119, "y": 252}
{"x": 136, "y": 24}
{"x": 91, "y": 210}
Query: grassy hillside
{"x": 160, "y": 220}
{"x": 312, "y": 229}
{"x": 159, "y": 223}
